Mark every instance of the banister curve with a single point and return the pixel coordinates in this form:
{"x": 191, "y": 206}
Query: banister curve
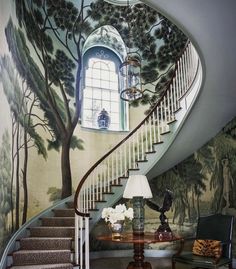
{"x": 77, "y": 211}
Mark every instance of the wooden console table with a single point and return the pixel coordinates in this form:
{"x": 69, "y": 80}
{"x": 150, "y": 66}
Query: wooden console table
{"x": 138, "y": 245}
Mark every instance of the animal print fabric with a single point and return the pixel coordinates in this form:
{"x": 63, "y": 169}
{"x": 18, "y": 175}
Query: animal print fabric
{"x": 209, "y": 248}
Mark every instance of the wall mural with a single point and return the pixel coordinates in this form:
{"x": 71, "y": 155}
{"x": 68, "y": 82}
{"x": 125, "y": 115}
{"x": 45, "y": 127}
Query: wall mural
{"x": 202, "y": 184}
{"x": 6, "y": 190}
{"x": 40, "y": 80}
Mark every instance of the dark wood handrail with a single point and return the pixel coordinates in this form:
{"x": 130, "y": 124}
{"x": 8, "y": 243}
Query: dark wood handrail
{"x": 123, "y": 141}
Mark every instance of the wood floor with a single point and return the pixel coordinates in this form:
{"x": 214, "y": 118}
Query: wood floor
{"x": 121, "y": 263}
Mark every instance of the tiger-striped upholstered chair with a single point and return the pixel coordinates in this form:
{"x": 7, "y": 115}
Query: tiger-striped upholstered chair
{"x": 214, "y": 227}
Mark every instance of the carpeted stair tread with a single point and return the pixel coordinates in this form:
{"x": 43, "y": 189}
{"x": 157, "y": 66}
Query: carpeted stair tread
{"x": 58, "y": 221}
{"x": 70, "y": 204}
{"x": 45, "y": 266}
{"x": 37, "y": 243}
{"x": 45, "y": 231}
{"x": 30, "y": 257}
{"x": 64, "y": 212}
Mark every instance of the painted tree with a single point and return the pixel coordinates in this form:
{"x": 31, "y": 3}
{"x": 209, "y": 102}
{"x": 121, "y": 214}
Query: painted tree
{"x": 187, "y": 183}
{"x": 5, "y": 183}
{"x": 58, "y": 23}
{"x": 224, "y": 150}
{"x": 22, "y": 102}
{"x": 194, "y": 179}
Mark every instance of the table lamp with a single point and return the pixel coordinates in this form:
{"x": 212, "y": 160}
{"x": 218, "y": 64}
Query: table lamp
{"x": 137, "y": 188}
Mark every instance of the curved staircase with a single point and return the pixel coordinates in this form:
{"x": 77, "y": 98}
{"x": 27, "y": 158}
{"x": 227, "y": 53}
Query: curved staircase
{"x": 46, "y": 243}
{"x": 103, "y": 184}
{"x": 60, "y": 238}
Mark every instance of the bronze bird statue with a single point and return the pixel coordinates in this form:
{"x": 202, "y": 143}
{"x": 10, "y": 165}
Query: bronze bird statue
{"x": 167, "y": 202}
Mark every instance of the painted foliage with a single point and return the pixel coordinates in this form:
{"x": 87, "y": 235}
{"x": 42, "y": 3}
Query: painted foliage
{"x": 41, "y": 81}
{"x": 55, "y": 33}
{"x": 6, "y": 193}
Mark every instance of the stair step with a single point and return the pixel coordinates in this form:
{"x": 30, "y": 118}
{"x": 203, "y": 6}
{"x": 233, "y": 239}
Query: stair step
{"x": 64, "y": 212}
{"x": 70, "y": 204}
{"x": 58, "y": 221}
{"x": 46, "y": 231}
{"x": 30, "y": 257}
{"x": 37, "y": 243}
{"x": 45, "y": 266}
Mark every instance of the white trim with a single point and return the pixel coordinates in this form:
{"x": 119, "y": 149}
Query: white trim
{"x": 122, "y": 2}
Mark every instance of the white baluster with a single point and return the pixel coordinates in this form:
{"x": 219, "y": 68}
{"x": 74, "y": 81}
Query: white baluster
{"x": 165, "y": 113}
{"x": 142, "y": 141}
{"x": 101, "y": 188}
{"x": 146, "y": 137}
{"x": 87, "y": 265}
{"x": 116, "y": 165}
{"x": 108, "y": 174}
{"x": 150, "y": 133}
{"x": 172, "y": 101}
{"x": 93, "y": 183}
{"x": 154, "y": 127}
{"x": 121, "y": 159}
{"x": 133, "y": 146}
{"x": 112, "y": 168}
{"x": 76, "y": 239}
{"x": 168, "y": 106}
{"x": 126, "y": 168}
{"x": 158, "y": 125}
{"x": 130, "y": 164}
{"x": 137, "y": 142}
{"x": 81, "y": 241}
{"x": 181, "y": 78}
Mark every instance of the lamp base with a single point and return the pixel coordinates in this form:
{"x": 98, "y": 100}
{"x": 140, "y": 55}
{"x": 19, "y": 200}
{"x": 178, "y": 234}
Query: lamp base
{"x": 138, "y": 220}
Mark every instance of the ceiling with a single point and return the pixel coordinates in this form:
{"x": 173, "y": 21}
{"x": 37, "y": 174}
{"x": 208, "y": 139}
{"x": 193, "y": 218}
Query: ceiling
{"x": 211, "y": 26}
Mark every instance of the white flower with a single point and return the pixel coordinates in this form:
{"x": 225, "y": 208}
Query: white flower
{"x": 120, "y": 212}
{"x": 129, "y": 213}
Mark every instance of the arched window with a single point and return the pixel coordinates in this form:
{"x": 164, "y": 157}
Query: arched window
{"x": 101, "y": 90}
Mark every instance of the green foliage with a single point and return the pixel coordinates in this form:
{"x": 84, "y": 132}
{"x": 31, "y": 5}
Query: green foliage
{"x": 60, "y": 71}
{"x": 76, "y": 143}
{"x": 64, "y": 12}
{"x": 230, "y": 128}
{"x": 54, "y": 194}
{"x": 5, "y": 180}
{"x": 18, "y": 102}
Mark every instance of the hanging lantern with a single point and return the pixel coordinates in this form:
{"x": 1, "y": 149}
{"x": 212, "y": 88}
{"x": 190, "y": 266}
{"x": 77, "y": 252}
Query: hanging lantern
{"x": 103, "y": 120}
{"x": 130, "y": 70}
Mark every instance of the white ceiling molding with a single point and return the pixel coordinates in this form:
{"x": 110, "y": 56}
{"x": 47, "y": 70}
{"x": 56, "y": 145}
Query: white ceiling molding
{"x": 122, "y": 2}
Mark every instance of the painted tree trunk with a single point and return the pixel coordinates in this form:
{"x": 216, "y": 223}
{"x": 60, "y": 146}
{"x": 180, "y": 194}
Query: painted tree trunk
{"x": 17, "y": 212}
{"x": 65, "y": 168}
{"x": 24, "y": 174}
{"x": 12, "y": 173}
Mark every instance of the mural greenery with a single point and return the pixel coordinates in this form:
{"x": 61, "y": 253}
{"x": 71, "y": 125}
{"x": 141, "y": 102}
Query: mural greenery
{"x": 23, "y": 136}
{"x": 211, "y": 169}
{"x": 54, "y": 32}
{"x": 6, "y": 188}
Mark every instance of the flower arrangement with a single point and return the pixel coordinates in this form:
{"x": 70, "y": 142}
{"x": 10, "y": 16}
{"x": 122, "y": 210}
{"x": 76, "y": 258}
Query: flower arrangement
{"x": 119, "y": 213}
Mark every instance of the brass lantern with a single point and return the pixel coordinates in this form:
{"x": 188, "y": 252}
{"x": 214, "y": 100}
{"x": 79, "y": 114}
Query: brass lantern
{"x": 130, "y": 70}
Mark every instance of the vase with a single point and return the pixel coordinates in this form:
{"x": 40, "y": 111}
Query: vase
{"x": 117, "y": 229}
{"x": 103, "y": 120}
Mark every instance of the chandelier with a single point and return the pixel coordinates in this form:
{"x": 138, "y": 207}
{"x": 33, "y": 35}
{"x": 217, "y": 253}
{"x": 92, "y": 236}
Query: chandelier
{"x": 130, "y": 71}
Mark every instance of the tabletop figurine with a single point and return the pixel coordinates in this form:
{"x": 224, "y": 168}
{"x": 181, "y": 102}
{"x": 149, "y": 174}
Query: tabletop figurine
{"x": 164, "y": 229}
